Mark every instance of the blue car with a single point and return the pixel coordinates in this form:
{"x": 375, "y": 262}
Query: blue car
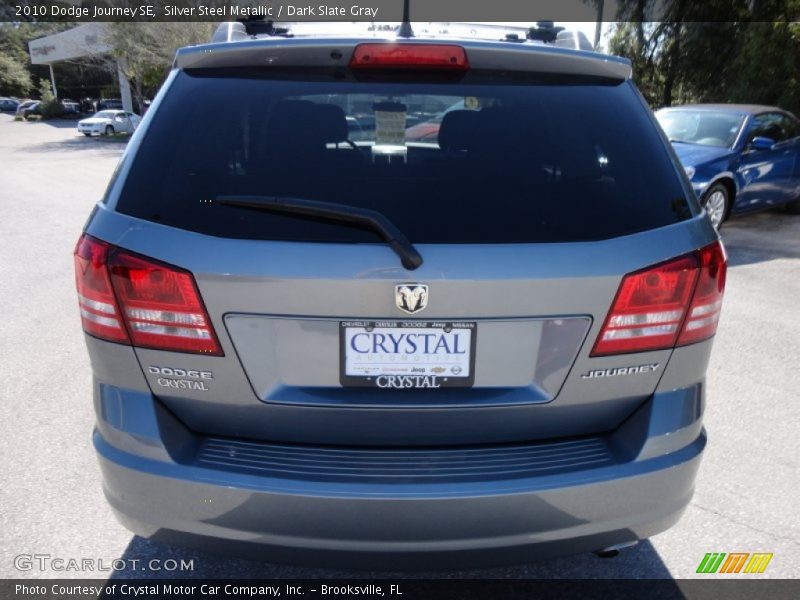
{"x": 739, "y": 158}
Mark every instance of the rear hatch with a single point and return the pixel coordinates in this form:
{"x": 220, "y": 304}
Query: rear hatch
{"x": 527, "y": 197}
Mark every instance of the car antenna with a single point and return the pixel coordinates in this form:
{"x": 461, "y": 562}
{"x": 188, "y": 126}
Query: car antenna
{"x": 405, "y": 30}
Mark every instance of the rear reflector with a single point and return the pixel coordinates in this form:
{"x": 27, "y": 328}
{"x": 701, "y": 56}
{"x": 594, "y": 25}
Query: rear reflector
{"x": 651, "y": 306}
{"x": 409, "y": 56}
{"x": 145, "y": 302}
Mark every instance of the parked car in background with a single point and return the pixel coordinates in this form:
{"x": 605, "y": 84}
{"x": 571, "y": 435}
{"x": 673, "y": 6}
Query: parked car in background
{"x": 71, "y": 107}
{"x": 35, "y": 108}
{"x": 25, "y": 106}
{"x": 739, "y": 158}
{"x": 109, "y": 104}
{"x": 109, "y": 122}
{"x": 8, "y": 105}
{"x": 355, "y": 132}
{"x": 428, "y": 130}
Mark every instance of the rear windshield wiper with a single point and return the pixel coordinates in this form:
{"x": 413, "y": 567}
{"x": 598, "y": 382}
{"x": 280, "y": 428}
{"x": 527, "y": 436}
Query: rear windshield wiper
{"x": 336, "y": 213}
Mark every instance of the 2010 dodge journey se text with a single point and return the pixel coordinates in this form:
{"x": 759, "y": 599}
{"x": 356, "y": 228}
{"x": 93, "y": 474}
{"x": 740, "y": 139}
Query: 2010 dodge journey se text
{"x": 408, "y": 302}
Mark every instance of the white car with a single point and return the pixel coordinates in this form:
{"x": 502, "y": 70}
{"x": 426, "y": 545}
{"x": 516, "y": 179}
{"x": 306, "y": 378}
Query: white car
{"x": 109, "y": 122}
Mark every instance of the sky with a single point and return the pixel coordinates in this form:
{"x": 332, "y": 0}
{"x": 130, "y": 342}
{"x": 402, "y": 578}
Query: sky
{"x": 587, "y": 28}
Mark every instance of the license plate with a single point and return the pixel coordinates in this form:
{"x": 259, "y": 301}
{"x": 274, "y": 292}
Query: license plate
{"x": 407, "y": 354}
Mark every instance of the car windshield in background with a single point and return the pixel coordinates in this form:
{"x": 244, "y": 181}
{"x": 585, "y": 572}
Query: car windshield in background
{"x": 509, "y": 162}
{"x": 105, "y": 114}
{"x": 702, "y": 127}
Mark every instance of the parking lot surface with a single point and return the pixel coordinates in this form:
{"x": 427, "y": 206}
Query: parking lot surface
{"x": 51, "y": 497}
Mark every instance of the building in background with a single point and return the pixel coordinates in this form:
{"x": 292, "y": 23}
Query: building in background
{"x": 84, "y": 41}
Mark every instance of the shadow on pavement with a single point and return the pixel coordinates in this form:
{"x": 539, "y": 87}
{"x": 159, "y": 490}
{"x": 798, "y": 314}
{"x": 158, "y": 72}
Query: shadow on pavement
{"x": 62, "y": 123}
{"x": 80, "y": 142}
{"x": 761, "y": 237}
{"x": 640, "y": 562}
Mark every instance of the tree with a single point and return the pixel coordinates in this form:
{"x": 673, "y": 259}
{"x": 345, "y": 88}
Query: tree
{"x": 680, "y": 52}
{"x": 767, "y": 65}
{"x": 16, "y": 71}
{"x": 144, "y": 51}
{"x": 50, "y": 107}
{"x": 15, "y": 80}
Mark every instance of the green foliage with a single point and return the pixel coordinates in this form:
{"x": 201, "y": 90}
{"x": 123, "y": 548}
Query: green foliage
{"x": 754, "y": 58}
{"x": 14, "y": 76}
{"x": 767, "y": 65}
{"x": 50, "y": 107}
{"x": 16, "y": 72}
{"x": 45, "y": 92}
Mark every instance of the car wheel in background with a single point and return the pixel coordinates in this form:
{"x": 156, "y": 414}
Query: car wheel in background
{"x": 109, "y": 130}
{"x": 716, "y": 203}
{"x": 87, "y": 134}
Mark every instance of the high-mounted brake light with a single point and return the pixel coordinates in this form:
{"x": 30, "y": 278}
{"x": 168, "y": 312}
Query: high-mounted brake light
{"x": 410, "y": 56}
{"x": 673, "y": 303}
{"x": 128, "y": 298}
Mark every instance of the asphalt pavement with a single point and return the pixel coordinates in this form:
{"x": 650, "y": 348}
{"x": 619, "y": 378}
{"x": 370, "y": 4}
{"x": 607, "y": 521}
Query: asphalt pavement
{"x": 51, "y": 502}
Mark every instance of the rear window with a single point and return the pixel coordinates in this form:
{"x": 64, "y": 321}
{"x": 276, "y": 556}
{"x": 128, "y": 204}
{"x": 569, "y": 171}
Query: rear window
{"x": 484, "y": 160}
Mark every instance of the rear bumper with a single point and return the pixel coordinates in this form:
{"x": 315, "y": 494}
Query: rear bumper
{"x": 471, "y": 525}
{"x": 429, "y": 514}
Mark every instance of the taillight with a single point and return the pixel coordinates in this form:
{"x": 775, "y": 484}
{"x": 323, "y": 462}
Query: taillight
{"x": 99, "y": 312}
{"x": 701, "y": 322}
{"x": 651, "y": 306}
{"x": 159, "y": 304}
{"x": 409, "y": 56}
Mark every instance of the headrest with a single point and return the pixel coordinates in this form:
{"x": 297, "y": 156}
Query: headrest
{"x": 291, "y": 122}
{"x": 458, "y": 130}
{"x": 332, "y": 123}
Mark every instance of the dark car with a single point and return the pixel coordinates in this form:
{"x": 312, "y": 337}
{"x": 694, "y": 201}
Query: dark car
{"x": 24, "y": 106}
{"x": 109, "y": 104}
{"x": 739, "y": 158}
{"x": 8, "y": 105}
{"x": 70, "y": 107}
{"x": 34, "y": 108}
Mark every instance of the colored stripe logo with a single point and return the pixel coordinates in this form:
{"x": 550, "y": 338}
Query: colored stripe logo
{"x": 734, "y": 562}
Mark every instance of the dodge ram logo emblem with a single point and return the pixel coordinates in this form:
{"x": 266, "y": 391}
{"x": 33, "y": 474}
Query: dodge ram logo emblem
{"x": 411, "y": 297}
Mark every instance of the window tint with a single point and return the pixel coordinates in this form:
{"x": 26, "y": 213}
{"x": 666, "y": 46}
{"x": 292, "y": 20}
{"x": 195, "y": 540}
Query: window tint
{"x": 789, "y": 126}
{"x": 480, "y": 162}
{"x": 770, "y": 125}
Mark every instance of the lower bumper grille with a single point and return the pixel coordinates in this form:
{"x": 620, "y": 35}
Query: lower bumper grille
{"x": 404, "y": 465}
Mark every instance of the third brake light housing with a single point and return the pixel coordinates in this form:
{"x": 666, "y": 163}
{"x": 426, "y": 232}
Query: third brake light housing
{"x": 410, "y": 56}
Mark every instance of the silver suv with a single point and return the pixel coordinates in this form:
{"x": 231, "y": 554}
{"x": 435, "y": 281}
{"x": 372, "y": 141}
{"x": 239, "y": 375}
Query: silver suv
{"x": 399, "y": 302}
